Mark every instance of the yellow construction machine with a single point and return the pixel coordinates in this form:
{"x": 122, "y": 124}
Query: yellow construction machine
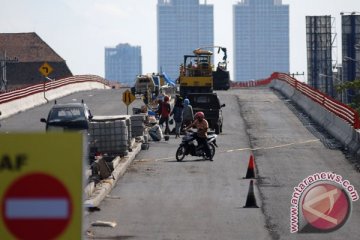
{"x": 197, "y": 75}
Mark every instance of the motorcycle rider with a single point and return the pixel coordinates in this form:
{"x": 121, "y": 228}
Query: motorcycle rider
{"x": 201, "y": 136}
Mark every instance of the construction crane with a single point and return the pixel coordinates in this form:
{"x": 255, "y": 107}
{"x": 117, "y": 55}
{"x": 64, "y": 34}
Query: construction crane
{"x": 221, "y": 77}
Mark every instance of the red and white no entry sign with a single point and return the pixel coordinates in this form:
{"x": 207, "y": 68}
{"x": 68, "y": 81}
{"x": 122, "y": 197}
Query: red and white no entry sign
{"x": 36, "y": 206}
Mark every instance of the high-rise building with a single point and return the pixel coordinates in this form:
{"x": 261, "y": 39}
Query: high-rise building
{"x": 319, "y": 53}
{"x": 123, "y": 63}
{"x": 260, "y": 38}
{"x": 350, "y": 50}
{"x": 182, "y": 26}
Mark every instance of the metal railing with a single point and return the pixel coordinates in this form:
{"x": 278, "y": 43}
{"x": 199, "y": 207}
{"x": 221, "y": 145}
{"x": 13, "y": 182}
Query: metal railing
{"x": 41, "y": 87}
{"x": 338, "y": 108}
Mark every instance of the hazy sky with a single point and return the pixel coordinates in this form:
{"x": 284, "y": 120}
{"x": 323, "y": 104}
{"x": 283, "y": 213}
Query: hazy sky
{"x": 79, "y": 30}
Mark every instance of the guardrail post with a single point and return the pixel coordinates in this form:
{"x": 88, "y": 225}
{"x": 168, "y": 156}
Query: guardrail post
{"x": 356, "y": 121}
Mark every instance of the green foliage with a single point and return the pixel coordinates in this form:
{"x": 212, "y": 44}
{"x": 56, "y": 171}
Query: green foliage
{"x": 355, "y": 86}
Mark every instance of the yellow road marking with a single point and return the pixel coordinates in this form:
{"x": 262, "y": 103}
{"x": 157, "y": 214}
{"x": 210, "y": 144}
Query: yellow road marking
{"x": 271, "y": 147}
{"x": 243, "y": 149}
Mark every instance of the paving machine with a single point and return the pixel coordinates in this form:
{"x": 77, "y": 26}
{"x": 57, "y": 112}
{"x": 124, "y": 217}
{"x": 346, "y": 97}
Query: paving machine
{"x": 197, "y": 75}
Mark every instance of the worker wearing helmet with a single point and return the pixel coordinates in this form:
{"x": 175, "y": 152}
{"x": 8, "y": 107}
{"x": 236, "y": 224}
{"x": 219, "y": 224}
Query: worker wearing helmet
{"x": 202, "y": 126}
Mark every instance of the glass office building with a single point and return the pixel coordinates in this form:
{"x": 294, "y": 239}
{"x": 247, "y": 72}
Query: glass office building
{"x": 123, "y": 63}
{"x": 182, "y": 26}
{"x": 261, "y": 39}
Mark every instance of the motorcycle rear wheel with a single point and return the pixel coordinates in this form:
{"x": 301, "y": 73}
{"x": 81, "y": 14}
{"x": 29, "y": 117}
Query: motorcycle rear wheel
{"x": 180, "y": 153}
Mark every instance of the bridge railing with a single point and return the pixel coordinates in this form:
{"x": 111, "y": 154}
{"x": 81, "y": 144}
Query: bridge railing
{"x": 25, "y": 98}
{"x": 336, "y": 107}
{"x": 49, "y": 85}
{"x": 251, "y": 83}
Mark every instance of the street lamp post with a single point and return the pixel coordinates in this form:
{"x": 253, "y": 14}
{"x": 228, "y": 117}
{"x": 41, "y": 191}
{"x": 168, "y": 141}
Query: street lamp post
{"x": 346, "y": 58}
{"x": 355, "y": 62}
{"x": 3, "y": 63}
{"x": 339, "y": 80}
{"x": 326, "y": 87}
{"x": 354, "y": 68}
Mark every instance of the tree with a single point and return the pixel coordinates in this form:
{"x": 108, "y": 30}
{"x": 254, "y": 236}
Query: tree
{"x": 355, "y": 86}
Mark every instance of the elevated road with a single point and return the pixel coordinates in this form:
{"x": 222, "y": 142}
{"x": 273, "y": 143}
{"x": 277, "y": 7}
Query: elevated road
{"x": 286, "y": 153}
{"x": 159, "y": 198}
{"x": 100, "y": 102}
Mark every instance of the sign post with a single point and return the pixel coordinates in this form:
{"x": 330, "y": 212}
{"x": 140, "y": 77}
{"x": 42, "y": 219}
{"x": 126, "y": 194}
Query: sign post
{"x": 128, "y": 98}
{"x": 41, "y": 186}
{"x": 45, "y": 70}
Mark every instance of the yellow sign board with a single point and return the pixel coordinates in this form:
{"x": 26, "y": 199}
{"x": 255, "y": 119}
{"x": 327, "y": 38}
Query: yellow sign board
{"x": 41, "y": 186}
{"x": 128, "y": 97}
{"x": 45, "y": 69}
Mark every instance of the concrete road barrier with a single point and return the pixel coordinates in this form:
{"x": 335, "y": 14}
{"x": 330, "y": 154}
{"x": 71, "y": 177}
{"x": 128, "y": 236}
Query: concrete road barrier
{"x": 95, "y": 194}
{"x": 336, "y": 126}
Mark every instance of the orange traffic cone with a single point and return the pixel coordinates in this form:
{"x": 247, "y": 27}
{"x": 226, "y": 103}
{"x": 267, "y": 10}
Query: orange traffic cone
{"x": 251, "y": 168}
{"x": 250, "y": 200}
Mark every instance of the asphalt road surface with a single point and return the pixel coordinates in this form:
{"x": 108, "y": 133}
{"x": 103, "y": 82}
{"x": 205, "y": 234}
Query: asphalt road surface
{"x": 159, "y": 198}
{"x": 286, "y": 153}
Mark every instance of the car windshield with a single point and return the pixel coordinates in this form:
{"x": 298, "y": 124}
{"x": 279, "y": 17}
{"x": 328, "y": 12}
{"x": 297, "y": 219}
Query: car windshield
{"x": 66, "y": 114}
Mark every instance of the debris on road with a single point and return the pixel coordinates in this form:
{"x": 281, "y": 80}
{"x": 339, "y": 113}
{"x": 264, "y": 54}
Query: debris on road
{"x": 104, "y": 224}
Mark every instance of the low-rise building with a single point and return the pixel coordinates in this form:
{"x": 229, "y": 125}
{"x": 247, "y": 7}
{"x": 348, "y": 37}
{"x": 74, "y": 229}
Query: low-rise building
{"x": 22, "y": 55}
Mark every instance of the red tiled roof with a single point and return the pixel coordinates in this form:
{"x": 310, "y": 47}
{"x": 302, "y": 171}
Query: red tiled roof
{"x": 27, "y": 47}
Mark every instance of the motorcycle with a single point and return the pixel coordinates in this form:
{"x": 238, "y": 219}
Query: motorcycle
{"x": 189, "y": 145}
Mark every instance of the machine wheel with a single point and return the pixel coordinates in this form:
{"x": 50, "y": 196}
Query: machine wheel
{"x": 212, "y": 150}
{"x": 180, "y": 153}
